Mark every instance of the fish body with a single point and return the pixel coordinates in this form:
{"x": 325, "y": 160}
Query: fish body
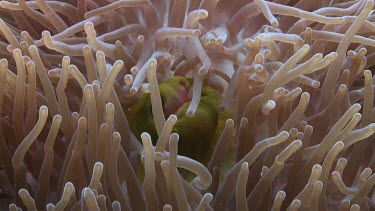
{"x": 196, "y": 132}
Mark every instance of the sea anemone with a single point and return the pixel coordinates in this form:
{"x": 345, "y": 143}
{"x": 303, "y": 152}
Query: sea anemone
{"x": 187, "y": 105}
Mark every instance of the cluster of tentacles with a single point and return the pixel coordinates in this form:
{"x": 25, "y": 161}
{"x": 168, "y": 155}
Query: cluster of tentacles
{"x": 294, "y": 78}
